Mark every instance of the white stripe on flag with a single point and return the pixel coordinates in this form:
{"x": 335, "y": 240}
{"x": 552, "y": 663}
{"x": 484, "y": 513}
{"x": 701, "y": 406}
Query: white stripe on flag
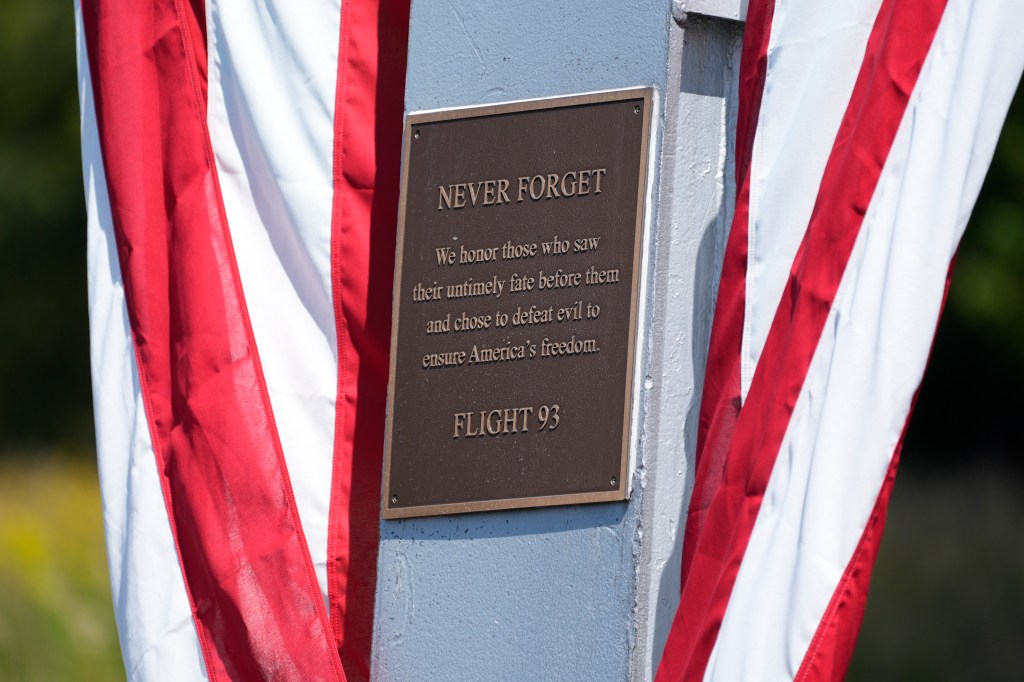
{"x": 871, "y": 357}
{"x": 822, "y": 43}
{"x": 154, "y": 620}
{"x": 273, "y": 68}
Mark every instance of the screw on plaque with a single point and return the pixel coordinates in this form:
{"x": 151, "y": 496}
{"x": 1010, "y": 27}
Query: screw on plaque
{"x": 394, "y": 499}
{"x": 615, "y": 481}
{"x": 636, "y": 109}
{"x": 416, "y": 134}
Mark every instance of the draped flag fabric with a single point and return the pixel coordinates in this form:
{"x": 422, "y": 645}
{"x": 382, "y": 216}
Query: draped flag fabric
{"x": 865, "y": 130}
{"x": 241, "y": 165}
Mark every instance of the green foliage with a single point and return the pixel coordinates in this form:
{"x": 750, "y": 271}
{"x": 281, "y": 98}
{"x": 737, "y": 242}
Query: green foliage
{"x": 44, "y": 389}
{"x": 987, "y": 295}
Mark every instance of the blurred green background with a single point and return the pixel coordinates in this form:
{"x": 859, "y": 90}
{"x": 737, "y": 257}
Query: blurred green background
{"x": 947, "y": 598}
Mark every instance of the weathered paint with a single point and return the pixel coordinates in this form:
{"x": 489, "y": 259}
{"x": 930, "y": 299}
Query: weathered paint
{"x": 583, "y": 592}
{"x": 697, "y": 196}
{"x": 724, "y": 9}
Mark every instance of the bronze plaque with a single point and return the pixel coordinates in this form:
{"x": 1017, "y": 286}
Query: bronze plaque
{"x": 515, "y": 304}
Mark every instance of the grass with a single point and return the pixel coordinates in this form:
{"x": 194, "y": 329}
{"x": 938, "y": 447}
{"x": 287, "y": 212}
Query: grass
{"x": 947, "y": 594}
{"x": 56, "y": 618}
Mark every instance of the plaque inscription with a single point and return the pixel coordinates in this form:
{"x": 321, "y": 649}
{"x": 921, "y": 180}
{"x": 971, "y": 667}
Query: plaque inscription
{"x": 515, "y": 304}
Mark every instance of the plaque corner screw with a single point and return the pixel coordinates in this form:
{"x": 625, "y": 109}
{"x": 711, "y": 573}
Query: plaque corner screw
{"x": 416, "y": 134}
{"x": 394, "y": 499}
{"x": 615, "y": 481}
{"x": 636, "y": 110}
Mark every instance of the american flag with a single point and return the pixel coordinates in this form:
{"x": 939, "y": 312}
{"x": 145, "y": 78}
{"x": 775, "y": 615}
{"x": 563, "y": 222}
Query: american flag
{"x": 241, "y": 163}
{"x": 240, "y": 157}
{"x": 865, "y": 131}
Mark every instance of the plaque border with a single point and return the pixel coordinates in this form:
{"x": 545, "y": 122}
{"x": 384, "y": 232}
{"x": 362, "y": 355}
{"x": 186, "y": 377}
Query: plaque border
{"x": 621, "y": 492}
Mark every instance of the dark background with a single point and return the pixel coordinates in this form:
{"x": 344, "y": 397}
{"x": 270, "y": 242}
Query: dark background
{"x": 948, "y": 592}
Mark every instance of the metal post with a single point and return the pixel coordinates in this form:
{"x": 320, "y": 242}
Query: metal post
{"x": 582, "y": 592}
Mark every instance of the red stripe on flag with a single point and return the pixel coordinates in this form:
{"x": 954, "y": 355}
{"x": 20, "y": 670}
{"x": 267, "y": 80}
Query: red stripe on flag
{"x": 720, "y": 400}
{"x": 899, "y": 42}
{"x": 831, "y": 648}
{"x": 255, "y": 601}
{"x": 367, "y": 156}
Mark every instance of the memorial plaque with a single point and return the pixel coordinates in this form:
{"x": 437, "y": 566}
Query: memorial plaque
{"x": 515, "y": 304}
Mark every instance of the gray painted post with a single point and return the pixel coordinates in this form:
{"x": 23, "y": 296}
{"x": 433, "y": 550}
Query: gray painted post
{"x": 582, "y": 592}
